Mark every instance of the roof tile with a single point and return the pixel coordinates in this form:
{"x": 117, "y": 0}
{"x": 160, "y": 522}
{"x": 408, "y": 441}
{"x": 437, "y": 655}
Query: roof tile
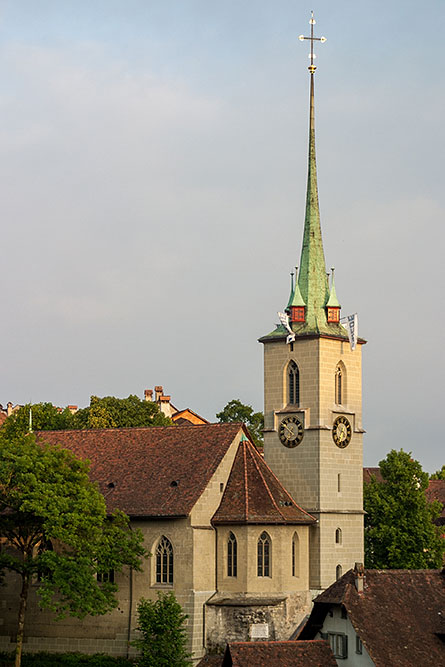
{"x": 254, "y": 495}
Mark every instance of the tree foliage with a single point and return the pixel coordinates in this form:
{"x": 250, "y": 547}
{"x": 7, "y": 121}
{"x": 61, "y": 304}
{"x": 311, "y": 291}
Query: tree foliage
{"x": 54, "y": 527}
{"x": 107, "y": 412}
{"x": 399, "y": 521}
{"x": 439, "y": 474}
{"x": 44, "y": 417}
{"x": 111, "y": 412}
{"x": 235, "y": 411}
{"x": 163, "y": 637}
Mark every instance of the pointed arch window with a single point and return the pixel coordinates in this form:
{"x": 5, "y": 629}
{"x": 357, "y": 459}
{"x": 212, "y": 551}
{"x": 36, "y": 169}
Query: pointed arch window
{"x": 164, "y": 561}
{"x": 339, "y": 385}
{"x": 264, "y": 555}
{"x": 232, "y": 556}
{"x": 338, "y": 572}
{"x": 338, "y": 536}
{"x": 293, "y": 382}
{"x": 295, "y": 556}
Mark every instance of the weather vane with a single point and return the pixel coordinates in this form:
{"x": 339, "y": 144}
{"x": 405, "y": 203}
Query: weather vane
{"x": 312, "y": 39}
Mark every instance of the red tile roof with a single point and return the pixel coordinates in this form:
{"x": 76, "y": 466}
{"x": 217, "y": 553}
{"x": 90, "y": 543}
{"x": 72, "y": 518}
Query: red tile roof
{"x": 372, "y": 472}
{"x": 436, "y": 491}
{"x": 254, "y": 495}
{"x": 152, "y": 472}
{"x": 279, "y": 654}
{"x": 398, "y": 617}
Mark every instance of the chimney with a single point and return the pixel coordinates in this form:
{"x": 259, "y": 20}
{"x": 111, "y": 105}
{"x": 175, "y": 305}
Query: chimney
{"x": 148, "y": 394}
{"x": 359, "y": 577}
{"x": 158, "y": 393}
{"x": 164, "y": 405}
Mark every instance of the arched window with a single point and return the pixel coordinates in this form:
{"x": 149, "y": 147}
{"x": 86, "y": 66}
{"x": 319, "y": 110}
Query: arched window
{"x": 295, "y": 556}
{"x": 231, "y": 556}
{"x": 293, "y": 382}
{"x": 338, "y": 536}
{"x": 164, "y": 561}
{"x": 339, "y": 385}
{"x": 263, "y": 556}
{"x": 338, "y": 572}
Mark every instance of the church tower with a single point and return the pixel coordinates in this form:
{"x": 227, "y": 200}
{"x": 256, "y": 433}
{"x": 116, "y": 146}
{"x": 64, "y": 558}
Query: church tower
{"x": 313, "y": 401}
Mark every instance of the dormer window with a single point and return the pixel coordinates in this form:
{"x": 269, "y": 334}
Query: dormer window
{"x": 297, "y": 314}
{"x": 333, "y": 314}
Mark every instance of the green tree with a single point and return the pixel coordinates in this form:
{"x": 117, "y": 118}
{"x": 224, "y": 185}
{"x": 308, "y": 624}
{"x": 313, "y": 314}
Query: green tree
{"x": 111, "y": 412}
{"x": 399, "y": 521}
{"x": 38, "y": 416}
{"x": 439, "y": 474}
{"x": 235, "y": 411}
{"x": 163, "y": 637}
{"x": 54, "y": 527}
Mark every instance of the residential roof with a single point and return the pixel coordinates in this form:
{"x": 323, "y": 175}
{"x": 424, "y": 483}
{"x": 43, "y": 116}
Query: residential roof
{"x": 436, "y": 491}
{"x": 150, "y": 472}
{"x": 254, "y": 495}
{"x": 188, "y": 416}
{"x": 368, "y": 473}
{"x": 279, "y": 654}
{"x": 399, "y": 616}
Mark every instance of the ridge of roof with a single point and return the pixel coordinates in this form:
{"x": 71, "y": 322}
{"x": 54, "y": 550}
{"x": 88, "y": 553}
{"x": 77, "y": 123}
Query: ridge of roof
{"x": 150, "y": 471}
{"x": 253, "y": 494}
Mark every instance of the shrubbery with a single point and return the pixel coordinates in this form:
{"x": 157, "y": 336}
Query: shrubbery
{"x": 65, "y": 660}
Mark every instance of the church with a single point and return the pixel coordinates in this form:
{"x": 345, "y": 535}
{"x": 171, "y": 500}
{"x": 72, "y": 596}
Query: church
{"x": 245, "y": 541}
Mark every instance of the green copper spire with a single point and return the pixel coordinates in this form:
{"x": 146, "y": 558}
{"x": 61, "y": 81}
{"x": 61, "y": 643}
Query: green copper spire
{"x": 312, "y": 279}
{"x": 333, "y": 301}
{"x": 311, "y": 288}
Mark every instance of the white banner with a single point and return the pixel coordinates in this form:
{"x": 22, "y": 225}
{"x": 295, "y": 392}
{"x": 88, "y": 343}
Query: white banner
{"x": 351, "y": 325}
{"x": 284, "y": 319}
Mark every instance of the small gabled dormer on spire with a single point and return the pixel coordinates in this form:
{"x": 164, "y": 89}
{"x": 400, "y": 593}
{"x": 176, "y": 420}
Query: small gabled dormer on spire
{"x": 295, "y": 306}
{"x": 333, "y": 306}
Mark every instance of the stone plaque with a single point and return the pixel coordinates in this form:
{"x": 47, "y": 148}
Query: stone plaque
{"x": 259, "y": 631}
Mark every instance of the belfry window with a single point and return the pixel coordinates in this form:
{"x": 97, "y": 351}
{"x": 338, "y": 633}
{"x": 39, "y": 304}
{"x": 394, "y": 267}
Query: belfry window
{"x": 339, "y": 386}
{"x": 293, "y": 379}
{"x": 164, "y": 561}
{"x": 263, "y": 555}
{"x": 232, "y": 556}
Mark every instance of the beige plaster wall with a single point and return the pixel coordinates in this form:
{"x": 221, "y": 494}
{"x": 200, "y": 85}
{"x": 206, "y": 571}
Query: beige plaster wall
{"x": 247, "y": 580}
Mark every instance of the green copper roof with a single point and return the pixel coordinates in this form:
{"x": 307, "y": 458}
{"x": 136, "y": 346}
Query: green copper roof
{"x": 333, "y": 301}
{"x": 297, "y": 299}
{"x": 312, "y": 278}
{"x": 312, "y": 287}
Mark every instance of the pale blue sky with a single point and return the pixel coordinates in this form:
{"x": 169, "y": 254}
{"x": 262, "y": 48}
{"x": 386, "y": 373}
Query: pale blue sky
{"x": 153, "y": 166}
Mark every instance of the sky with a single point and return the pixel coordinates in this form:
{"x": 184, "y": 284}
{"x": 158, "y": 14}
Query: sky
{"x": 153, "y": 158}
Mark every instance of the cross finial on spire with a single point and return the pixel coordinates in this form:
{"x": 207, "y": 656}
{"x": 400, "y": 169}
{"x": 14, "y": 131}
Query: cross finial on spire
{"x": 312, "y": 39}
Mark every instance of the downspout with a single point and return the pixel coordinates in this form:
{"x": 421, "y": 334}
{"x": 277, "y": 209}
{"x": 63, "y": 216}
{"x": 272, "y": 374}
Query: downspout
{"x": 130, "y": 610}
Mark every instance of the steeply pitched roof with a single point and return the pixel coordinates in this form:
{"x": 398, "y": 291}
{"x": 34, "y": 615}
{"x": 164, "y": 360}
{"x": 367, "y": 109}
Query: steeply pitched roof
{"x": 279, "y": 654}
{"x": 156, "y": 472}
{"x": 254, "y": 495}
{"x": 399, "y": 616}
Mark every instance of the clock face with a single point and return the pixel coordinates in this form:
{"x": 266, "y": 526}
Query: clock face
{"x": 342, "y": 432}
{"x": 291, "y": 431}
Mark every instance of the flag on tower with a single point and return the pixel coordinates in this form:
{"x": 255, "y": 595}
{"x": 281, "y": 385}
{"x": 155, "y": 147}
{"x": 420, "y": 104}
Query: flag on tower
{"x": 351, "y": 325}
{"x": 284, "y": 319}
